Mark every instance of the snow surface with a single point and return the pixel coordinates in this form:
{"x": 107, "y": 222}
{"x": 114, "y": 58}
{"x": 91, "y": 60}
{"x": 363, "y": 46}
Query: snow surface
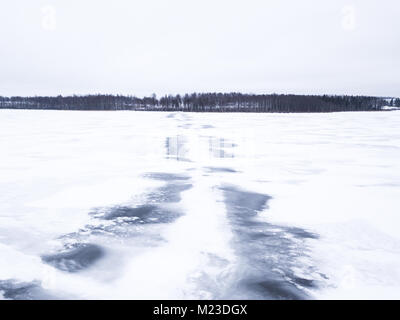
{"x": 335, "y": 176}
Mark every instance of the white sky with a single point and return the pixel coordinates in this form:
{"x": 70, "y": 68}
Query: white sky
{"x": 176, "y": 46}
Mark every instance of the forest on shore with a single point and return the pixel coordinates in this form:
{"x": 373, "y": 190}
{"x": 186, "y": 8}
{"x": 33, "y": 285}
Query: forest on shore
{"x": 203, "y": 102}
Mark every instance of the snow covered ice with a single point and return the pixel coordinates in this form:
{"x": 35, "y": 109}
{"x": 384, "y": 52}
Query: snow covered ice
{"x": 147, "y": 205}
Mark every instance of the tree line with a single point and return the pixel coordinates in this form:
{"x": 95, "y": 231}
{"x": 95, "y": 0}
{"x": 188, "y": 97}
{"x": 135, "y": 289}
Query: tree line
{"x": 203, "y": 102}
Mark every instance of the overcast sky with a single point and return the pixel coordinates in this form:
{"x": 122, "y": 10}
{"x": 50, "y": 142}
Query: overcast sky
{"x": 175, "y": 46}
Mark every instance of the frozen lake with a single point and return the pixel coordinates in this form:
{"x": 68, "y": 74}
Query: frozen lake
{"x": 143, "y": 205}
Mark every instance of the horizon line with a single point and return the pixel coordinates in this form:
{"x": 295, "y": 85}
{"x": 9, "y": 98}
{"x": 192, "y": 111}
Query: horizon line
{"x": 195, "y": 92}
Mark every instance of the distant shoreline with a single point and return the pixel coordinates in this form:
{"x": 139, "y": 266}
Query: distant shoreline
{"x": 216, "y": 112}
{"x": 205, "y": 102}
